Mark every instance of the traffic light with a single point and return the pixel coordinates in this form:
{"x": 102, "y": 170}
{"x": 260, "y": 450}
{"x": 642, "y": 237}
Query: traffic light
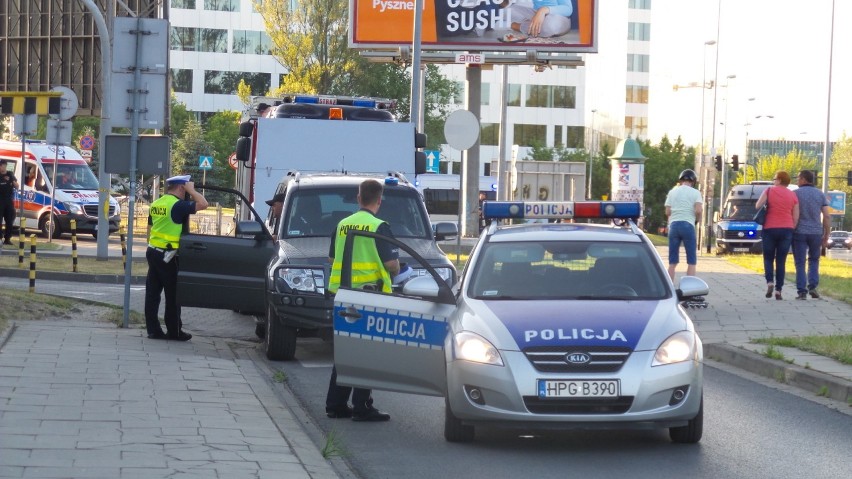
{"x": 849, "y": 178}
{"x": 718, "y": 162}
{"x": 735, "y": 162}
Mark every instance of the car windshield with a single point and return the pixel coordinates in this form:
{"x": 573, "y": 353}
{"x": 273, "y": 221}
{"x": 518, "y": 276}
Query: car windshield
{"x": 317, "y": 211}
{"x": 839, "y": 234}
{"x": 72, "y": 177}
{"x": 742, "y": 210}
{"x": 567, "y": 270}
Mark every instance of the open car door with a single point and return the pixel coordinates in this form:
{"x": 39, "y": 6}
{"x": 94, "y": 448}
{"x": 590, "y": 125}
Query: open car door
{"x": 223, "y": 269}
{"x": 396, "y": 341}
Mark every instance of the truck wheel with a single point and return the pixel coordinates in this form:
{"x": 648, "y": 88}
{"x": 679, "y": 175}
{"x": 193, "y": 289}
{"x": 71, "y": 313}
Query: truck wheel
{"x": 44, "y": 226}
{"x": 454, "y": 430}
{"x": 280, "y": 340}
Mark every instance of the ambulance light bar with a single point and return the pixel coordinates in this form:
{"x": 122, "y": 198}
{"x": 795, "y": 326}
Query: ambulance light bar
{"x": 560, "y": 209}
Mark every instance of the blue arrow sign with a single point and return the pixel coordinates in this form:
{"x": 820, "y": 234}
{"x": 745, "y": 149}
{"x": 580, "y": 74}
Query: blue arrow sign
{"x": 205, "y": 162}
{"x": 433, "y": 158}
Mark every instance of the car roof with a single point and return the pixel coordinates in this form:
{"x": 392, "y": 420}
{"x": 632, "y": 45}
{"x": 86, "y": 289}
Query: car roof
{"x": 338, "y": 179}
{"x": 564, "y": 232}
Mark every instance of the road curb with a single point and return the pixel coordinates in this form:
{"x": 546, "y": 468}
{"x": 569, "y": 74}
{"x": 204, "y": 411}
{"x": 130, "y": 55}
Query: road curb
{"x": 809, "y": 380}
{"x": 78, "y": 277}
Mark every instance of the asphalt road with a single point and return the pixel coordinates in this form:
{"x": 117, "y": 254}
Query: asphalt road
{"x": 751, "y": 430}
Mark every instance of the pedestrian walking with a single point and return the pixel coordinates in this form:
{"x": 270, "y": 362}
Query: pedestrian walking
{"x": 8, "y": 185}
{"x": 810, "y": 236}
{"x": 782, "y": 214}
{"x": 167, "y": 219}
{"x": 377, "y": 263}
{"x": 684, "y": 207}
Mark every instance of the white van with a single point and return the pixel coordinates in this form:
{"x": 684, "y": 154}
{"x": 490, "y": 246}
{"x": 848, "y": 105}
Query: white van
{"x": 76, "y": 195}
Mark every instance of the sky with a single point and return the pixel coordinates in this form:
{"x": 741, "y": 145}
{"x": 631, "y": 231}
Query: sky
{"x": 778, "y": 51}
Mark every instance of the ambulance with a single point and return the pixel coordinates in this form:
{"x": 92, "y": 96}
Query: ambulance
{"x": 74, "y": 198}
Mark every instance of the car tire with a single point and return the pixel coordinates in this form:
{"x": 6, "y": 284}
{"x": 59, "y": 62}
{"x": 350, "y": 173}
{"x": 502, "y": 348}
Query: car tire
{"x": 454, "y": 430}
{"x": 43, "y": 226}
{"x": 691, "y": 433}
{"x": 280, "y": 340}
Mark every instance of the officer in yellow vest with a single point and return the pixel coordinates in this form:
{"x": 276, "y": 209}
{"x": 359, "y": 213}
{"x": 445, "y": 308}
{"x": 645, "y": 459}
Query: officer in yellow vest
{"x": 373, "y": 266}
{"x": 166, "y": 221}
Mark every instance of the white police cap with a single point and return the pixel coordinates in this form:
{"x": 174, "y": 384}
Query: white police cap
{"x": 178, "y": 180}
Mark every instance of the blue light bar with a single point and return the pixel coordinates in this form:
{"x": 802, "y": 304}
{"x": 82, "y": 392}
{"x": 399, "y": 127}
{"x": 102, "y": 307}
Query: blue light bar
{"x": 362, "y": 102}
{"x": 390, "y": 180}
{"x": 560, "y": 209}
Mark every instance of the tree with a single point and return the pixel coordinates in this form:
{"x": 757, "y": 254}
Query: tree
{"x": 766, "y": 166}
{"x": 179, "y": 116}
{"x": 185, "y": 152}
{"x": 662, "y": 169}
{"x": 221, "y": 132}
{"x": 309, "y": 38}
{"x": 840, "y": 164}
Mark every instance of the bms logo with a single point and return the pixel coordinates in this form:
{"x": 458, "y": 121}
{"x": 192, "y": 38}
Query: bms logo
{"x": 577, "y": 358}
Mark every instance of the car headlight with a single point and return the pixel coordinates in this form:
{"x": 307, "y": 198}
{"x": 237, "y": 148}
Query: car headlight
{"x": 300, "y": 279}
{"x": 473, "y": 347}
{"x": 445, "y": 273}
{"x": 676, "y": 348}
{"x": 74, "y": 208}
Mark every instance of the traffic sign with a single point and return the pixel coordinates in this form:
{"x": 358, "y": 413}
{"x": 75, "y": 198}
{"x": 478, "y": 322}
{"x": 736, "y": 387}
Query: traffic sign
{"x": 87, "y": 142}
{"x": 205, "y": 162}
{"x": 433, "y": 158}
{"x": 86, "y": 153}
{"x": 232, "y": 161}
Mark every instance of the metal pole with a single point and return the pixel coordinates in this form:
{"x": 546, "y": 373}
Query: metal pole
{"x": 106, "y": 128}
{"x": 504, "y": 180}
{"x": 713, "y": 133}
{"x": 591, "y": 152}
{"x": 825, "y": 147}
{"x": 414, "y": 106}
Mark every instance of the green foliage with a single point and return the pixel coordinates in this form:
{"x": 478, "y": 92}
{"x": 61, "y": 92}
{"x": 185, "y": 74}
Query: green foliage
{"x": 840, "y": 164}
{"x": 179, "y": 117}
{"x": 539, "y": 152}
{"x": 310, "y": 39}
{"x": 221, "y": 131}
{"x": 767, "y": 166}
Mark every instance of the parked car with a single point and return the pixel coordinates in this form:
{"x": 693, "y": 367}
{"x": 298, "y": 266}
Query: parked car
{"x": 840, "y": 239}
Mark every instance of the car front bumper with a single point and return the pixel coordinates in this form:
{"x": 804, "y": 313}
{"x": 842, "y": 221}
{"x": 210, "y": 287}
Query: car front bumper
{"x": 509, "y": 394}
{"x": 302, "y": 311}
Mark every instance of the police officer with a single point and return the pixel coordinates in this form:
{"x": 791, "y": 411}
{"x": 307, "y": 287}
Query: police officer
{"x": 167, "y": 219}
{"x": 8, "y": 185}
{"x": 378, "y": 261}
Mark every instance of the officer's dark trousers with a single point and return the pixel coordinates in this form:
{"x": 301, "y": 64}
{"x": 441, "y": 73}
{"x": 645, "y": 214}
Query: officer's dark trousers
{"x": 338, "y": 396}
{"x": 161, "y": 277}
{"x": 7, "y": 210}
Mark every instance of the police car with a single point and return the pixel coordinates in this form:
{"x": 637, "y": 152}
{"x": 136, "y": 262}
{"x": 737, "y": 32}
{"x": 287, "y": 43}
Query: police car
{"x": 552, "y": 325}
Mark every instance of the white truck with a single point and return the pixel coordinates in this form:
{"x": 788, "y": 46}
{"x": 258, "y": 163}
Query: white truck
{"x": 312, "y": 151}
{"x": 74, "y": 198}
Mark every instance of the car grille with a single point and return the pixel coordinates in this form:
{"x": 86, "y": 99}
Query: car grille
{"x": 92, "y": 210}
{"x": 735, "y": 235}
{"x": 617, "y": 405}
{"x": 551, "y": 359}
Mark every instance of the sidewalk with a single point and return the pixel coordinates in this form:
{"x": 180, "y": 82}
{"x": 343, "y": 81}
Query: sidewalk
{"x": 81, "y": 398}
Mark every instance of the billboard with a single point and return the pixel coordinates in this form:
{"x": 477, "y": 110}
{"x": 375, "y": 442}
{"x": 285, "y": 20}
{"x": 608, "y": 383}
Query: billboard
{"x": 476, "y": 25}
{"x": 836, "y": 202}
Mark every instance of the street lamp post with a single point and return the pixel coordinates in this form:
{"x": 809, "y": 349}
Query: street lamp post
{"x": 591, "y": 153}
{"x": 708, "y": 192}
{"x": 725, "y": 145}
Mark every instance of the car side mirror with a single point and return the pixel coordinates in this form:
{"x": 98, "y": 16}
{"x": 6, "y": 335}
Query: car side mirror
{"x": 691, "y": 286}
{"x": 445, "y": 230}
{"x": 251, "y": 229}
{"x": 423, "y": 286}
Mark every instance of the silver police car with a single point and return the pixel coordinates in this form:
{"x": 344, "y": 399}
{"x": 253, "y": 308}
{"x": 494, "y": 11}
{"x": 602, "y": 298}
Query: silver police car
{"x": 552, "y": 325}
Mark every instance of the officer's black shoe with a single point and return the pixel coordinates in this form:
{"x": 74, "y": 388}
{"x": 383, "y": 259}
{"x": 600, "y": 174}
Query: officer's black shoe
{"x": 7, "y": 242}
{"x": 372, "y": 415}
{"x": 158, "y": 335}
{"x": 181, "y": 336}
{"x": 339, "y": 413}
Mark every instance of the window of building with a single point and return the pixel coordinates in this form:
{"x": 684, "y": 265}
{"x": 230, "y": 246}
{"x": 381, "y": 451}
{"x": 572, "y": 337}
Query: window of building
{"x": 636, "y": 125}
{"x": 557, "y": 136}
{"x": 222, "y": 5}
{"x": 181, "y": 80}
{"x": 489, "y": 134}
{"x": 227, "y": 82}
{"x": 639, "y": 31}
{"x": 550, "y": 96}
{"x": 485, "y": 94}
{"x": 636, "y": 94}
{"x": 183, "y": 39}
{"x": 187, "y": 4}
{"x": 514, "y": 95}
{"x": 530, "y": 135}
{"x": 639, "y": 4}
{"x": 214, "y": 40}
{"x": 250, "y": 41}
{"x": 637, "y": 62}
{"x": 575, "y": 137}
{"x": 458, "y": 99}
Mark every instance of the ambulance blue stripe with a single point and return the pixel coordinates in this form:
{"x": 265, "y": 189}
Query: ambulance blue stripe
{"x": 742, "y": 226}
{"x": 388, "y": 325}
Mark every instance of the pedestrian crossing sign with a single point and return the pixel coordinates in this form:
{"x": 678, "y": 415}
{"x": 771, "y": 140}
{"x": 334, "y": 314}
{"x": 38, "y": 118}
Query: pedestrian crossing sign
{"x": 205, "y": 162}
